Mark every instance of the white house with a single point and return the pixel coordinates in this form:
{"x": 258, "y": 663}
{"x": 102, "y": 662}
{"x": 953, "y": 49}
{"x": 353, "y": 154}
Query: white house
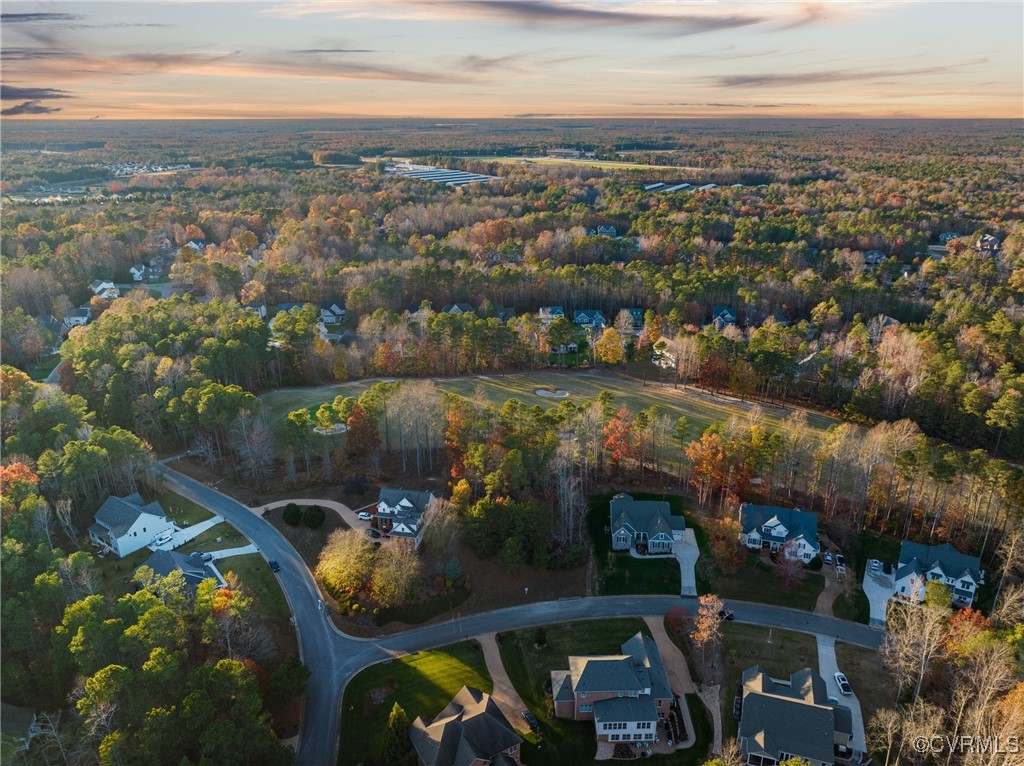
{"x": 791, "y": 530}
{"x": 332, "y": 312}
{"x": 548, "y": 314}
{"x": 920, "y": 564}
{"x": 104, "y": 288}
{"x": 138, "y": 272}
{"x": 125, "y": 524}
{"x": 401, "y": 513}
{"x": 592, "y": 319}
{"x": 78, "y": 317}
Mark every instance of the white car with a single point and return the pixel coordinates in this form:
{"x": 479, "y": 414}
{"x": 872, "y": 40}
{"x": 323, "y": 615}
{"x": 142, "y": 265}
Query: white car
{"x": 844, "y": 685}
{"x": 364, "y": 516}
{"x": 828, "y": 558}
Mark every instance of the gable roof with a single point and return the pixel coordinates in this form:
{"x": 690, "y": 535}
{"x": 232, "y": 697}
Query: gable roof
{"x": 589, "y": 315}
{"x": 639, "y": 667}
{"x": 192, "y": 567}
{"x": 652, "y": 517}
{"x": 625, "y": 710}
{"x": 647, "y": 662}
{"x": 335, "y": 307}
{"x": 798, "y": 523}
{"x": 119, "y": 513}
{"x": 458, "y": 308}
{"x": 552, "y": 311}
{"x": 470, "y": 727}
{"x": 725, "y": 313}
{"x": 919, "y": 559}
{"x": 793, "y": 717}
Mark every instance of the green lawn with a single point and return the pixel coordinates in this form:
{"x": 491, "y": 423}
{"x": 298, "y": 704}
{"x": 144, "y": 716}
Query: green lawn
{"x": 421, "y": 611}
{"x": 41, "y": 369}
{"x": 757, "y": 581}
{"x": 254, "y": 572}
{"x": 180, "y": 509}
{"x": 699, "y": 410}
{"x": 421, "y": 683}
{"x": 216, "y": 538}
{"x": 529, "y": 668}
{"x": 620, "y": 574}
{"x": 114, "y": 571}
{"x": 858, "y": 610}
{"x": 863, "y": 667}
{"x": 747, "y": 645}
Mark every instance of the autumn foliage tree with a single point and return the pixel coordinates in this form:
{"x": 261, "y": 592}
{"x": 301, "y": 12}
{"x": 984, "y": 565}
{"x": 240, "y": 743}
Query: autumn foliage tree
{"x": 618, "y": 437}
{"x": 707, "y": 471}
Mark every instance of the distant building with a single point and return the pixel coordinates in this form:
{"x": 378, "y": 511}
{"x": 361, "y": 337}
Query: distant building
{"x": 138, "y": 272}
{"x": 470, "y": 731}
{"x": 591, "y": 319}
{"x": 948, "y": 236}
{"x": 104, "y": 288}
{"x": 722, "y": 317}
{"x": 17, "y": 727}
{"x": 874, "y": 257}
{"x": 458, "y": 308}
{"x": 192, "y": 567}
{"x": 548, "y": 314}
{"x": 77, "y": 317}
{"x": 332, "y": 312}
{"x": 989, "y": 245}
{"x": 400, "y": 513}
{"x": 707, "y": 187}
{"x": 783, "y": 719}
{"x": 606, "y": 231}
{"x": 625, "y": 695}
{"x": 654, "y": 187}
{"x": 791, "y": 530}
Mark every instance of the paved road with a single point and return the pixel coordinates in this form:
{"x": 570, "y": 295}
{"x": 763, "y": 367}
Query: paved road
{"x": 335, "y": 657}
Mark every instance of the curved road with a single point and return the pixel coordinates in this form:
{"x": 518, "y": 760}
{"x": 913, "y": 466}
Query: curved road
{"x": 335, "y": 657}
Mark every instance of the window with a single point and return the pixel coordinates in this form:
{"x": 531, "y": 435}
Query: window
{"x": 583, "y": 695}
{"x": 620, "y": 694}
{"x": 613, "y": 738}
{"x": 586, "y": 708}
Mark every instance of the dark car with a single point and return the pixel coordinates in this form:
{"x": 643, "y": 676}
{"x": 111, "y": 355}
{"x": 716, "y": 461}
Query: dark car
{"x": 840, "y": 560}
{"x": 724, "y": 615}
{"x": 531, "y": 720}
{"x": 372, "y": 533}
{"x": 274, "y": 566}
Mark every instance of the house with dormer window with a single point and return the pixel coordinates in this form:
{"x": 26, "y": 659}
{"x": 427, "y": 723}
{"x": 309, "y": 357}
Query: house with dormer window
{"x": 791, "y": 530}
{"x": 920, "y": 564}
{"x": 548, "y": 314}
{"x": 401, "y": 513}
{"x": 127, "y": 524}
{"x": 625, "y": 695}
{"x": 648, "y": 523}
{"x": 591, "y": 319}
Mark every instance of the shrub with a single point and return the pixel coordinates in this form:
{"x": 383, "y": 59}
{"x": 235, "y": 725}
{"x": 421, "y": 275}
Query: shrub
{"x": 540, "y": 638}
{"x": 292, "y": 515}
{"x": 313, "y": 517}
{"x": 356, "y": 484}
{"x": 815, "y": 564}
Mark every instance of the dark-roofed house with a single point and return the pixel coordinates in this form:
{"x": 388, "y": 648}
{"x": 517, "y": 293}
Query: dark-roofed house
{"x": 789, "y": 529}
{"x": 77, "y": 317}
{"x": 332, "y": 312}
{"x": 606, "y": 231}
{"x": 400, "y": 513}
{"x": 722, "y": 317}
{"x": 192, "y": 567}
{"x": 874, "y": 257}
{"x": 17, "y": 727}
{"x": 644, "y": 522}
{"x": 593, "y": 319}
{"x": 920, "y": 564}
{"x": 638, "y": 318}
{"x": 783, "y": 719}
{"x": 548, "y": 314}
{"x": 470, "y": 731}
{"x": 624, "y": 694}
{"x": 126, "y": 524}
{"x": 458, "y": 308}
{"x": 989, "y": 245}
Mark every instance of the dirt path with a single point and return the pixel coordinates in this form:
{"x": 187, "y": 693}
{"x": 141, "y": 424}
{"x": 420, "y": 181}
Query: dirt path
{"x": 504, "y": 694}
{"x": 674, "y": 660}
{"x": 832, "y": 589}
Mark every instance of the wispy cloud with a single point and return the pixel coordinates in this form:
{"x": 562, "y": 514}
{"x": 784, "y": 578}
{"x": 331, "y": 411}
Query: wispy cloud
{"x": 27, "y": 18}
{"x": 714, "y": 105}
{"x": 15, "y": 93}
{"x": 29, "y": 107}
{"x": 309, "y": 51}
{"x": 789, "y": 79}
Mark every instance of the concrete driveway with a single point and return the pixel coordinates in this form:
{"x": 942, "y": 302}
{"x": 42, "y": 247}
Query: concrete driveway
{"x": 879, "y": 588}
{"x": 184, "y": 534}
{"x": 828, "y": 667}
{"x": 687, "y": 553}
{"x": 346, "y": 514}
{"x": 504, "y": 693}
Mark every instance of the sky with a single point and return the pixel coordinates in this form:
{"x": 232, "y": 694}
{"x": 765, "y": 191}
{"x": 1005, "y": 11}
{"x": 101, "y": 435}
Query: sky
{"x": 511, "y": 58}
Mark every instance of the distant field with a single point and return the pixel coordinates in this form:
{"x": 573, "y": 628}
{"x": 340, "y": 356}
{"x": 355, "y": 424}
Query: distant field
{"x": 700, "y": 409}
{"x": 605, "y": 164}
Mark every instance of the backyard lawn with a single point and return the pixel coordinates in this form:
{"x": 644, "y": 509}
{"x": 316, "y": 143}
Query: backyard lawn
{"x": 182, "y": 511}
{"x": 757, "y": 581}
{"x": 216, "y": 538}
{"x": 114, "y": 571}
{"x": 421, "y": 683}
{"x": 620, "y": 574}
{"x": 700, "y": 409}
{"x": 869, "y": 679}
{"x": 778, "y": 652}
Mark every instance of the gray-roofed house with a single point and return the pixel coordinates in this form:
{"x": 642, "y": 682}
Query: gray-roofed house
{"x": 137, "y": 272}
{"x": 458, "y": 308}
{"x": 77, "y": 317}
{"x": 192, "y": 567}
{"x": 791, "y": 530}
{"x": 874, "y": 257}
{"x": 332, "y": 312}
{"x": 126, "y": 524}
{"x": 470, "y": 731}
{"x": 783, "y": 719}
{"x": 989, "y": 245}
{"x": 548, "y": 314}
{"x": 638, "y": 318}
{"x": 920, "y": 564}
{"x": 624, "y": 694}
{"x": 644, "y": 522}
{"x": 722, "y": 317}
{"x": 102, "y": 287}
{"x": 606, "y": 231}
{"x": 592, "y": 319}
{"x": 401, "y": 513}
{"x": 54, "y": 330}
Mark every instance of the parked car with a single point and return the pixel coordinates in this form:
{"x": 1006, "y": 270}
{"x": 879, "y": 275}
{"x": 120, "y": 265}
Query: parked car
{"x": 840, "y": 560}
{"x": 531, "y": 720}
{"x": 844, "y": 685}
{"x": 364, "y": 516}
{"x": 724, "y": 615}
{"x": 875, "y": 565}
{"x": 828, "y": 558}
{"x": 274, "y": 566}
{"x": 372, "y": 533}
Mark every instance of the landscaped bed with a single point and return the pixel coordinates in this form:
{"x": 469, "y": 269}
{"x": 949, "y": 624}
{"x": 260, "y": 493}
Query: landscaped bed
{"x": 422, "y": 683}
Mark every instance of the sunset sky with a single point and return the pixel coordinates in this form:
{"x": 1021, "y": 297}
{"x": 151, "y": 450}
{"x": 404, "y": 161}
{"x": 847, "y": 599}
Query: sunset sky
{"x": 508, "y": 58}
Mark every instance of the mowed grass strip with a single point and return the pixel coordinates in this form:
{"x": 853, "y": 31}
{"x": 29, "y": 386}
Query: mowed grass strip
{"x": 757, "y": 581}
{"x": 529, "y": 667}
{"x": 257, "y": 577}
{"x": 422, "y": 683}
{"x": 778, "y": 652}
{"x": 700, "y": 410}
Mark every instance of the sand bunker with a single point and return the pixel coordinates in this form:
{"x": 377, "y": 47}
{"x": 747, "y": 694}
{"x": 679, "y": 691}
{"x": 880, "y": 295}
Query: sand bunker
{"x": 559, "y": 394}
{"x": 337, "y": 428}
